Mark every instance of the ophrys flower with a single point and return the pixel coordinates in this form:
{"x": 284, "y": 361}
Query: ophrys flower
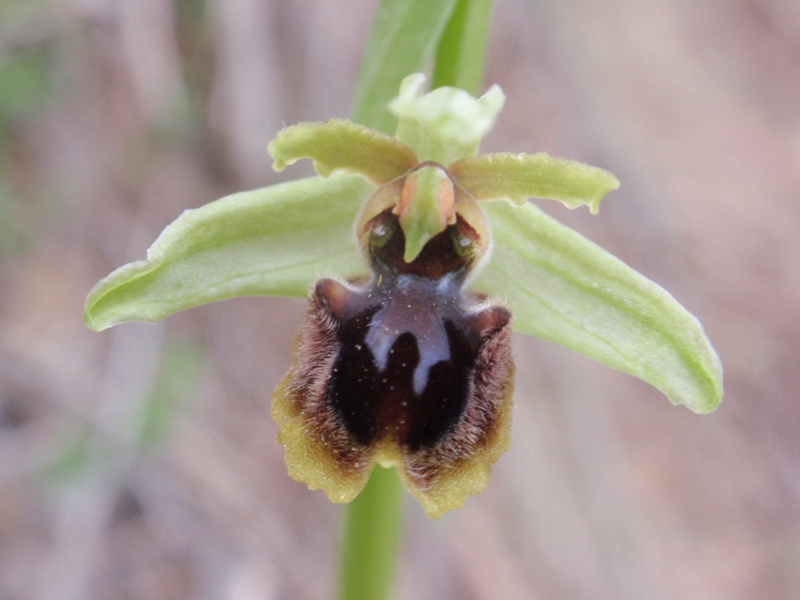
{"x": 404, "y": 356}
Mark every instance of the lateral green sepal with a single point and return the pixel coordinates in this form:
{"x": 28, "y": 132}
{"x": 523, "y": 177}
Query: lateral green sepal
{"x": 564, "y": 288}
{"x": 276, "y": 241}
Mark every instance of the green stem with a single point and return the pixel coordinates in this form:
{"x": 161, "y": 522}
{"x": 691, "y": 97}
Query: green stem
{"x": 462, "y": 49}
{"x": 371, "y": 539}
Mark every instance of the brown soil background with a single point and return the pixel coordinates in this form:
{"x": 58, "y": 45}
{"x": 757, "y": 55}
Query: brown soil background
{"x": 608, "y": 492}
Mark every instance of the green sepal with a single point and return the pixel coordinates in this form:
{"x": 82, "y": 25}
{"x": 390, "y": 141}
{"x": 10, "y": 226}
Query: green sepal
{"x": 445, "y": 124}
{"x": 517, "y": 177}
{"x": 341, "y": 145}
{"x": 563, "y": 288}
{"x": 275, "y": 241}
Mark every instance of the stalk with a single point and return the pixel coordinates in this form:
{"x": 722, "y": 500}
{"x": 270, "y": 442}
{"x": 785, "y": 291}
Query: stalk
{"x": 372, "y": 535}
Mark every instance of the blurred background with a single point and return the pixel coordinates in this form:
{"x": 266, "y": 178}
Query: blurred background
{"x": 140, "y": 463}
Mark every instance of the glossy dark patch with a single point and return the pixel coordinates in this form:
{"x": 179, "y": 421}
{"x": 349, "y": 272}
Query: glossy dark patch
{"x": 374, "y": 403}
{"x": 354, "y": 386}
{"x": 438, "y": 410}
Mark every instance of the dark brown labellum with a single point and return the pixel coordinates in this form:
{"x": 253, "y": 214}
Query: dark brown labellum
{"x": 408, "y": 370}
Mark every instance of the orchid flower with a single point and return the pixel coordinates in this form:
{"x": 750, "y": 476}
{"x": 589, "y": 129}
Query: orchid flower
{"x": 420, "y": 257}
